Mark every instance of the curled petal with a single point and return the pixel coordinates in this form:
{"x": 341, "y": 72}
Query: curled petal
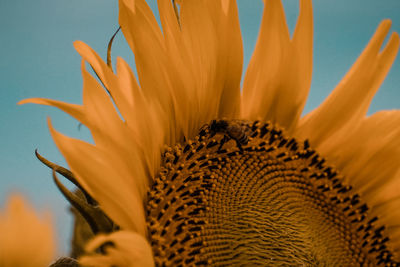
{"x": 122, "y": 248}
{"x": 93, "y": 214}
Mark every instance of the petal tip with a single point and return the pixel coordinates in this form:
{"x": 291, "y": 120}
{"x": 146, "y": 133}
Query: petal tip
{"x": 81, "y": 47}
{"x": 49, "y": 124}
{"x": 33, "y": 100}
{"x": 395, "y": 36}
{"x": 78, "y": 43}
{"x": 385, "y": 24}
{"x": 23, "y": 101}
{"x": 225, "y": 6}
{"x": 131, "y": 4}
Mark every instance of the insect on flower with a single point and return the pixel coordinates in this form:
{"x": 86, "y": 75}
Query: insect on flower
{"x": 231, "y": 130}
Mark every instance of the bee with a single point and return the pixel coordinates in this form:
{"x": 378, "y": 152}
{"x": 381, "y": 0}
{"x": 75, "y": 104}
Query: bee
{"x": 230, "y": 130}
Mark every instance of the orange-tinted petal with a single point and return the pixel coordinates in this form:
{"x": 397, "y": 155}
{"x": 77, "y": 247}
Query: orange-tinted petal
{"x": 349, "y": 102}
{"x": 129, "y": 250}
{"x": 106, "y": 178}
{"x": 279, "y": 74}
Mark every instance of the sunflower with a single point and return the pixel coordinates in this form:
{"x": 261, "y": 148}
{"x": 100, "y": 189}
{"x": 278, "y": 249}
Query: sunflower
{"x": 21, "y": 228}
{"x": 191, "y": 169}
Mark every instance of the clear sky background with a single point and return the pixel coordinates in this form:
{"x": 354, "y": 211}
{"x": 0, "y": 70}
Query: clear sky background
{"x": 37, "y": 59}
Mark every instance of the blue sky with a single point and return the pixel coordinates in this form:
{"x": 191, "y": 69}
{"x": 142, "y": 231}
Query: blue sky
{"x": 38, "y": 60}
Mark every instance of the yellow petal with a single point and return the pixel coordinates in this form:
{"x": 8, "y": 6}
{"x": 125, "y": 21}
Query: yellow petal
{"x": 158, "y": 76}
{"x": 303, "y": 56}
{"x": 265, "y": 64}
{"x": 368, "y": 157}
{"x": 76, "y": 111}
{"x": 143, "y": 35}
{"x": 199, "y": 37}
{"x": 107, "y": 77}
{"x": 230, "y": 57}
{"x": 107, "y": 178}
{"x": 349, "y": 102}
{"x": 99, "y": 110}
{"x": 127, "y": 83}
{"x": 369, "y": 154}
{"x": 279, "y": 74}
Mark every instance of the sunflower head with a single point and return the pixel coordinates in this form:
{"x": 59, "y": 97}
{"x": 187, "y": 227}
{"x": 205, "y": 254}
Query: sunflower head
{"x": 274, "y": 201}
{"x": 192, "y": 169}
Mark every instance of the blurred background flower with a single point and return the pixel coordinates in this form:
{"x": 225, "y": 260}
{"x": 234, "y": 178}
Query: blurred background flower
{"x": 27, "y": 238}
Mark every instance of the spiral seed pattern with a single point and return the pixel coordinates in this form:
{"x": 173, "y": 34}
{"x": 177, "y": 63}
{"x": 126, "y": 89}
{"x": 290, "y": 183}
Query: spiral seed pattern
{"x": 276, "y": 203}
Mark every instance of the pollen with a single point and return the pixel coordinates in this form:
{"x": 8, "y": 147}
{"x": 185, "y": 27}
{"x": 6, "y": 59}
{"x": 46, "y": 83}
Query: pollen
{"x": 273, "y": 202}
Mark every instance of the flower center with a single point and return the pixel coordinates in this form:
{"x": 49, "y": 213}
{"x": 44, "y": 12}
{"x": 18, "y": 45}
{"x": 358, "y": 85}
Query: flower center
{"x": 268, "y": 201}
